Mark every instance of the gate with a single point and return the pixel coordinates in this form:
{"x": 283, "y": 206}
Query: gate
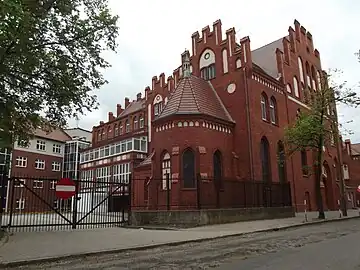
{"x": 30, "y": 203}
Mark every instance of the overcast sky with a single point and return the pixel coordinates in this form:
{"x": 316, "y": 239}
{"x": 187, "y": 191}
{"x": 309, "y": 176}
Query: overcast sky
{"x": 153, "y": 34}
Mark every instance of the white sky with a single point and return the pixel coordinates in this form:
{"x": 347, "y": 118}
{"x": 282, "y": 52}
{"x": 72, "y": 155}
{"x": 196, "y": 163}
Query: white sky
{"x": 153, "y": 34}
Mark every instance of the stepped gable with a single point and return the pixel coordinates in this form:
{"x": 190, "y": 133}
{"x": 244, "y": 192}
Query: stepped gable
{"x": 194, "y": 95}
{"x": 265, "y": 57}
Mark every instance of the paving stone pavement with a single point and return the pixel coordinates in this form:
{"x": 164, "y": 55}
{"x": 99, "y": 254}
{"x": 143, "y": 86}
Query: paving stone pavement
{"x": 28, "y": 246}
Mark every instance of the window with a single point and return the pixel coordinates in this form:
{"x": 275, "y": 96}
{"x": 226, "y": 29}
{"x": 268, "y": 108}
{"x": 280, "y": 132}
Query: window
{"x": 103, "y": 134}
{"x": 121, "y": 130}
{"x": 109, "y": 130}
{"x": 318, "y": 77}
{"x": 166, "y": 171}
{"x": 188, "y": 168}
{"x": 20, "y": 204}
{"x": 217, "y": 164}
{"x": 23, "y": 143}
{"x": 157, "y": 108}
{"x": 288, "y": 88}
{"x": 141, "y": 120}
{"x": 265, "y": 160}
{"x": 281, "y": 162}
{"x": 21, "y": 162}
{"x": 56, "y": 166}
{"x": 263, "y": 107}
{"x": 296, "y": 87}
{"x": 40, "y": 164}
{"x": 19, "y": 182}
{"x": 273, "y": 114}
{"x": 127, "y": 126}
{"x": 116, "y": 130}
{"x": 99, "y": 135}
{"x": 103, "y": 176}
{"x": 52, "y": 184}
{"x": 143, "y": 145}
{"x": 304, "y": 164}
{"x": 301, "y": 70}
{"x": 136, "y": 144}
{"x": 121, "y": 173}
{"x": 346, "y": 172}
{"x": 208, "y": 73}
{"x": 135, "y": 123}
{"x": 57, "y": 148}
{"x": 40, "y": 145}
{"x": 87, "y": 179}
{"x": 38, "y": 184}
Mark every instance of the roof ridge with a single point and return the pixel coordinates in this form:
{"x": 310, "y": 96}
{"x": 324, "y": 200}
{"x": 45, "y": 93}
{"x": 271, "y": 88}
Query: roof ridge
{"x": 195, "y": 98}
{"x": 221, "y": 103}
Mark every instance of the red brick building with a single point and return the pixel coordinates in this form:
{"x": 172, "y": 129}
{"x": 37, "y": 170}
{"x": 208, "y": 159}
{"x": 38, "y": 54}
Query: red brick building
{"x": 36, "y": 167}
{"x": 226, "y": 119}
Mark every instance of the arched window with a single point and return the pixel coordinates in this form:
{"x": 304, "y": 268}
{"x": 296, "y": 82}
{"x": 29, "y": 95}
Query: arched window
{"x": 127, "y": 126}
{"x": 99, "y": 135}
{"x": 318, "y": 79}
{"x": 109, "y": 130}
{"x": 217, "y": 164}
{"x": 288, "y": 88}
{"x": 308, "y": 72}
{"x": 296, "y": 87}
{"x": 301, "y": 69}
{"x": 208, "y": 73}
{"x": 281, "y": 162}
{"x": 116, "y": 130}
{"x": 273, "y": 111}
{"x": 141, "y": 120}
{"x": 313, "y": 77}
{"x": 304, "y": 163}
{"x": 103, "y": 134}
{"x": 264, "y": 107}
{"x": 166, "y": 170}
{"x": 188, "y": 168}
{"x": 135, "y": 123}
{"x": 265, "y": 160}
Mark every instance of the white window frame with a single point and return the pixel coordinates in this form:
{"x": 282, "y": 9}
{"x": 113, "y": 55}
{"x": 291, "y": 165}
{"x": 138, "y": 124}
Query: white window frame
{"x": 121, "y": 173}
{"x": 21, "y": 184}
{"x": 56, "y": 166}
{"x": 127, "y": 126}
{"x": 103, "y": 177}
{"x": 57, "y": 148}
{"x": 21, "y": 162}
{"x": 39, "y": 164}
{"x": 52, "y": 184}
{"x": 37, "y": 184}
{"x": 166, "y": 169}
{"x": 87, "y": 179}
{"x": 135, "y": 123}
{"x": 40, "y": 145}
{"x": 20, "y": 204}
{"x": 263, "y": 108}
{"x": 142, "y": 121}
{"x": 272, "y": 111}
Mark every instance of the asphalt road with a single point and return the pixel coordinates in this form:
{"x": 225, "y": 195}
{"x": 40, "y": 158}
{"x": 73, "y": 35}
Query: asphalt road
{"x": 334, "y": 245}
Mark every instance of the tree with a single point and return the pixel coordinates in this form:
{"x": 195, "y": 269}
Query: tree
{"x": 317, "y": 127}
{"x": 50, "y": 62}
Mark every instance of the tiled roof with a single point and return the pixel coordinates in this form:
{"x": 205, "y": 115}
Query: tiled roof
{"x": 265, "y": 57}
{"x": 148, "y": 160}
{"x": 194, "y": 95}
{"x": 55, "y": 134}
{"x": 134, "y": 106}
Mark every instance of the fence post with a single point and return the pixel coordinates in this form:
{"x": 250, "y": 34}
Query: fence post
{"x": 168, "y": 191}
{"x": 130, "y": 199}
{"x": 75, "y": 204}
{"x": 198, "y": 181}
{"x": 2, "y": 195}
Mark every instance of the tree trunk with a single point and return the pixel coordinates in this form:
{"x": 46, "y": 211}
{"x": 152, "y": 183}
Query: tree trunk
{"x": 318, "y": 175}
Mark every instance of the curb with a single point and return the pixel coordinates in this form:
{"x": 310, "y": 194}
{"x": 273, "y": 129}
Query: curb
{"x": 4, "y": 238}
{"x": 169, "y": 244}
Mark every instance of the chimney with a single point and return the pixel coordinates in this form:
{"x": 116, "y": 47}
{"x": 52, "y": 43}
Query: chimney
{"x": 119, "y": 110}
{"x": 138, "y": 97}
{"x": 101, "y": 122}
{"x": 348, "y": 146}
{"x": 111, "y": 116}
{"x": 127, "y": 102}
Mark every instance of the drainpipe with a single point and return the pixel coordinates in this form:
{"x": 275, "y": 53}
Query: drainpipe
{"x": 248, "y": 125}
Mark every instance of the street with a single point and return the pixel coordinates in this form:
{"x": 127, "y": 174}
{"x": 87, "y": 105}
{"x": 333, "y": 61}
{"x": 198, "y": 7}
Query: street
{"x": 332, "y": 245}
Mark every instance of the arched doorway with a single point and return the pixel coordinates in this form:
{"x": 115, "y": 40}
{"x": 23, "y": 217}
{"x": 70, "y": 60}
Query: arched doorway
{"x": 188, "y": 168}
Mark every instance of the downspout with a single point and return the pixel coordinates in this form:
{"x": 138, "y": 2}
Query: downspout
{"x": 291, "y": 158}
{"x": 248, "y": 125}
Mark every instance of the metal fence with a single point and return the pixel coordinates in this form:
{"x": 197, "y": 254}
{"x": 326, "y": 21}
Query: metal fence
{"x": 31, "y": 203}
{"x": 209, "y": 193}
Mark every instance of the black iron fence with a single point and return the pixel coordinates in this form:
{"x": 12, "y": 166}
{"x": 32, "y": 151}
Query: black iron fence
{"x": 33, "y": 202}
{"x": 209, "y": 193}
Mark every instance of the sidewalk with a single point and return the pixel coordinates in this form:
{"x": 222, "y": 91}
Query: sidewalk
{"x": 29, "y": 246}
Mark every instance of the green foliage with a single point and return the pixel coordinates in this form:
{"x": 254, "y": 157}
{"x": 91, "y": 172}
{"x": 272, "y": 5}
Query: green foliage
{"x": 50, "y": 61}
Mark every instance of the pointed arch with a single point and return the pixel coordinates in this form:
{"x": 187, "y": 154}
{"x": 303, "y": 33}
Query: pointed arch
{"x": 264, "y": 106}
{"x": 273, "y": 110}
{"x": 301, "y": 69}
{"x": 296, "y": 86}
{"x": 188, "y": 168}
{"x": 265, "y": 159}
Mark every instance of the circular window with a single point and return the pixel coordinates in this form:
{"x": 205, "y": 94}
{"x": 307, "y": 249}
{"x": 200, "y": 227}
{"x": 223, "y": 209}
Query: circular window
{"x": 207, "y": 56}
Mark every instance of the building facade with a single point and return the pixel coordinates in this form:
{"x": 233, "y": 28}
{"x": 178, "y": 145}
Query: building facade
{"x": 227, "y": 119}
